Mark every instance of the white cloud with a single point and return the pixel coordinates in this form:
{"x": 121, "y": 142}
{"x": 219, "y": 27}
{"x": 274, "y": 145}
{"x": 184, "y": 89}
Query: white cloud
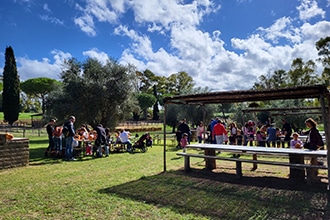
{"x": 101, "y": 10}
{"x": 282, "y": 28}
{"x": 96, "y": 54}
{"x": 52, "y": 20}
{"x": 28, "y": 68}
{"x": 202, "y": 54}
{"x": 160, "y": 14}
{"x": 204, "y": 57}
{"x": 168, "y": 13}
{"x": 309, "y": 9}
{"x": 46, "y": 8}
{"x": 86, "y": 24}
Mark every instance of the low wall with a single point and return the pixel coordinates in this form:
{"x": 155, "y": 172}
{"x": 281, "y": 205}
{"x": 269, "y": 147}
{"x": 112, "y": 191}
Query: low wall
{"x": 13, "y": 153}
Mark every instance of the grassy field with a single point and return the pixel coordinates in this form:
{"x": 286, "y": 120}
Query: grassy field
{"x": 133, "y": 186}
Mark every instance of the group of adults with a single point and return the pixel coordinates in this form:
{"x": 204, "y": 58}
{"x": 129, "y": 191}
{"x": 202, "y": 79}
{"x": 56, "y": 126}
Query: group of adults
{"x": 67, "y": 134}
{"x": 253, "y": 134}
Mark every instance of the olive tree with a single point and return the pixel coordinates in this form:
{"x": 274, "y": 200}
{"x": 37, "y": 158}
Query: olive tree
{"x": 94, "y": 92}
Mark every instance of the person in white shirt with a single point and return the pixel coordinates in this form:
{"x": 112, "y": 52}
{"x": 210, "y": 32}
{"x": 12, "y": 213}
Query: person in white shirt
{"x": 124, "y": 136}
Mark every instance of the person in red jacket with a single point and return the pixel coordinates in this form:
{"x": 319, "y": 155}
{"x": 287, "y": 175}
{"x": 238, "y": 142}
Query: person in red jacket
{"x": 218, "y": 133}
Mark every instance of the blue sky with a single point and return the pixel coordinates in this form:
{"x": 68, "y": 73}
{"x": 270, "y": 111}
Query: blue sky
{"x": 222, "y": 44}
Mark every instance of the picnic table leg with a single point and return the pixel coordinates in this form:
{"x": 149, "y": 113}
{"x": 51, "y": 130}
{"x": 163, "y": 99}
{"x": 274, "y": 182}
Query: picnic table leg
{"x": 312, "y": 172}
{"x": 186, "y": 163}
{"x": 255, "y": 165}
{"x": 296, "y": 174}
{"x": 239, "y": 169}
{"x": 210, "y": 164}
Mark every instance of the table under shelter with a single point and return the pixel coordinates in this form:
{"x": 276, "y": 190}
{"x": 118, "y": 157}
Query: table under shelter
{"x": 319, "y": 92}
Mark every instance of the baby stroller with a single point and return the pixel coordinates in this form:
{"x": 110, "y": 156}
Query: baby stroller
{"x": 143, "y": 143}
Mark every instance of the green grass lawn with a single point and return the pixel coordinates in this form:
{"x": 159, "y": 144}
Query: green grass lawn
{"x": 133, "y": 186}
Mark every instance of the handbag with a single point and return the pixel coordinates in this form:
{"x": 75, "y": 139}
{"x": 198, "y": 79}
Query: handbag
{"x": 307, "y": 145}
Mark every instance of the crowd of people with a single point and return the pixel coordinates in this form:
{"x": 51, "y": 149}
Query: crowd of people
{"x": 253, "y": 134}
{"x": 97, "y": 140}
{"x": 250, "y": 134}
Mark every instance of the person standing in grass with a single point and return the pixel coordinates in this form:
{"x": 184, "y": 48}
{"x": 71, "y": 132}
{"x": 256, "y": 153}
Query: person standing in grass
{"x": 50, "y": 130}
{"x": 271, "y": 136}
{"x": 286, "y": 131}
{"x": 101, "y": 141}
{"x": 233, "y": 133}
{"x": 314, "y": 142}
{"x": 58, "y": 140}
{"x": 219, "y": 131}
{"x": 184, "y": 141}
{"x": 200, "y": 132}
{"x": 184, "y": 128}
{"x": 69, "y": 132}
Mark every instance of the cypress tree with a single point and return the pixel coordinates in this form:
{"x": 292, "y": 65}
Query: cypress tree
{"x": 11, "y": 90}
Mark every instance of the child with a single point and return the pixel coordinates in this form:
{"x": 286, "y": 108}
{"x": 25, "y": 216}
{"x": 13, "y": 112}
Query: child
{"x": 278, "y": 137}
{"x": 184, "y": 141}
{"x": 239, "y": 137}
{"x": 239, "y": 141}
{"x": 296, "y": 142}
{"x": 260, "y": 139}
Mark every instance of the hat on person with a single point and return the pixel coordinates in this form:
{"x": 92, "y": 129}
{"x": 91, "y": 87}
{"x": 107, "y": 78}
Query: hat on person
{"x": 295, "y": 134}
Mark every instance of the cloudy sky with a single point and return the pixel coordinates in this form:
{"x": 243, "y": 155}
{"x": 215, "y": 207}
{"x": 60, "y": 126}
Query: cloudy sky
{"x": 222, "y": 44}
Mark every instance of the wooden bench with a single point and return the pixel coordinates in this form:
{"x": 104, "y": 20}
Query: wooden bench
{"x": 296, "y": 157}
{"x": 158, "y": 139}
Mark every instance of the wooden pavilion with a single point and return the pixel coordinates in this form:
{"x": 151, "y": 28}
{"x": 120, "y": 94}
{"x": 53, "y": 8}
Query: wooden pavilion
{"x": 319, "y": 92}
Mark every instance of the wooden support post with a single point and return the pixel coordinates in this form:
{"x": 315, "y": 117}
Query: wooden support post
{"x": 239, "y": 172}
{"x": 186, "y": 163}
{"x": 296, "y": 174}
{"x": 255, "y": 165}
{"x": 210, "y": 164}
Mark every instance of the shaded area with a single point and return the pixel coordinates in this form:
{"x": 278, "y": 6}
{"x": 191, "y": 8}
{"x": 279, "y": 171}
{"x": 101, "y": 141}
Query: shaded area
{"x": 222, "y": 195}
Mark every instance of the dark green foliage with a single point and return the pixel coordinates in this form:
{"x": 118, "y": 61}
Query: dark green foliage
{"x": 323, "y": 48}
{"x": 40, "y": 88}
{"x": 145, "y": 101}
{"x": 11, "y": 88}
{"x": 93, "y": 92}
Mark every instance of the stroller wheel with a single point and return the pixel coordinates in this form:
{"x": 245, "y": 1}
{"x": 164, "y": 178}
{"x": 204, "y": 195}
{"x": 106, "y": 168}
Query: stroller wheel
{"x": 144, "y": 149}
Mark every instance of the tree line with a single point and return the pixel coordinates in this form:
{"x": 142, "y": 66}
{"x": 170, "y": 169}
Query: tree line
{"x": 110, "y": 93}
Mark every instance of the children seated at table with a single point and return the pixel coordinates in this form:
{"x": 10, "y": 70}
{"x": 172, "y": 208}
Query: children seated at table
{"x": 296, "y": 142}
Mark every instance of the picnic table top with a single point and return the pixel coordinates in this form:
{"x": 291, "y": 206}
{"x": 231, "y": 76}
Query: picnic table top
{"x": 260, "y": 150}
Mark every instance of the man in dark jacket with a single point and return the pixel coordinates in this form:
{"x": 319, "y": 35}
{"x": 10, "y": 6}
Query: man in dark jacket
{"x": 69, "y": 132}
{"x": 50, "y": 131}
{"x": 287, "y": 131}
{"x": 184, "y": 128}
{"x": 101, "y": 140}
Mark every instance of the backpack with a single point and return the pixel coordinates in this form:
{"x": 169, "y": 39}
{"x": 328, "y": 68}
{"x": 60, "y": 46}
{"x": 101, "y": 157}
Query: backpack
{"x": 65, "y": 131}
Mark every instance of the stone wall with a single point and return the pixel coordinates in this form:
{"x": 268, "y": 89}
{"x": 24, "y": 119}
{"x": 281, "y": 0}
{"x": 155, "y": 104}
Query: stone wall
{"x": 13, "y": 153}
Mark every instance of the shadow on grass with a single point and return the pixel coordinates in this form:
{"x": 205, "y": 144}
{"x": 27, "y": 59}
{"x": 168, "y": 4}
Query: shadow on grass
{"x": 223, "y": 195}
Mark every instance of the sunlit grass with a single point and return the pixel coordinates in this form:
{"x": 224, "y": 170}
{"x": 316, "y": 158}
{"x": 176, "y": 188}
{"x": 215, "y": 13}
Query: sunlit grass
{"x": 133, "y": 186}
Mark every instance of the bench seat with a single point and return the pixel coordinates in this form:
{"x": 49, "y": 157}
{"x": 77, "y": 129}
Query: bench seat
{"x": 240, "y": 160}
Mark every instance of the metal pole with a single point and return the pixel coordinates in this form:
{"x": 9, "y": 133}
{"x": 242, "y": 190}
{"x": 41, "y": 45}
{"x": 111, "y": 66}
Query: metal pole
{"x": 164, "y": 149}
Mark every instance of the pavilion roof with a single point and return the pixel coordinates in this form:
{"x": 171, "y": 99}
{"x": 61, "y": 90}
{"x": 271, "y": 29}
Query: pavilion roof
{"x": 235, "y": 96}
